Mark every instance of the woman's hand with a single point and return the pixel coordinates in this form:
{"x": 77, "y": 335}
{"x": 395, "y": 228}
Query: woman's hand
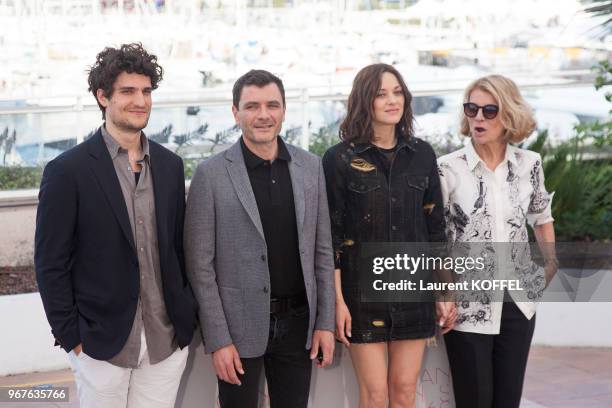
{"x": 446, "y": 314}
{"x": 343, "y": 322}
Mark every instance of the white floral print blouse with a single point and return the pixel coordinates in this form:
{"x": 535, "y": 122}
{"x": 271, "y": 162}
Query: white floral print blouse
{"x": 493, "y": 207}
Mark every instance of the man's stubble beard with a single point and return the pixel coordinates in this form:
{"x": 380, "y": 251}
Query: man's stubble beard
{"x": 127, "y": 126}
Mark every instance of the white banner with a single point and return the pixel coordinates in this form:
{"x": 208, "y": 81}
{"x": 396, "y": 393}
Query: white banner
{"x": 332, "y": 387}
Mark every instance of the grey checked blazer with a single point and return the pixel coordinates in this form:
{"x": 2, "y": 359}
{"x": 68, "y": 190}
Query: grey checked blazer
{"x": 225, "y": 250}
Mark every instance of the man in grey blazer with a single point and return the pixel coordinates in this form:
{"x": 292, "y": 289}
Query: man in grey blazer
{"x": 259, "y": 255}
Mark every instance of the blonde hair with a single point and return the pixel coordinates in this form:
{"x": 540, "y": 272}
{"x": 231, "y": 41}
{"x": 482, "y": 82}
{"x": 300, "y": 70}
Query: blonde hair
{"x": 515, "y": 114}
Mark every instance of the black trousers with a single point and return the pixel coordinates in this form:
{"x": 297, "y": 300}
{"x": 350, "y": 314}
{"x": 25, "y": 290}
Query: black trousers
{"x": 488, "y": 370}
{"x": 286, "y": 363}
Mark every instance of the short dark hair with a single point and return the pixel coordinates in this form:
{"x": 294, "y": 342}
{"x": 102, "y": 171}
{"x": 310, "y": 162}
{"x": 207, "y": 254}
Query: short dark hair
{"x": 259, "y": 78}
{"x": 357, "y": 126}
{"x": 111, "y": 62}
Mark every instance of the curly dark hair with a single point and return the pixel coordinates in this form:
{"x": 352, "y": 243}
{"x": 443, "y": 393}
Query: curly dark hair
{"x": 357, "y": 125}
{"x": 111, "y": 62}
{"x": 259, "y": 78}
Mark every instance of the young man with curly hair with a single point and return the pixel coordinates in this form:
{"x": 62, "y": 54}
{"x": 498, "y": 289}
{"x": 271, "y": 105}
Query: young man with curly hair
{"x": 109, "y": 253}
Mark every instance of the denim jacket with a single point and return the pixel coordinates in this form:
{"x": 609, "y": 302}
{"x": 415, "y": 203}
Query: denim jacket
{"x": 367, "y": 205}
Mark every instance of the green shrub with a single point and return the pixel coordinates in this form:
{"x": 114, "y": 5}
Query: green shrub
{"x": 582, "y": 204}
{"x": 190, "y": 167}
{"x": 324, "y": 138}
{"x": 15, "y": 178}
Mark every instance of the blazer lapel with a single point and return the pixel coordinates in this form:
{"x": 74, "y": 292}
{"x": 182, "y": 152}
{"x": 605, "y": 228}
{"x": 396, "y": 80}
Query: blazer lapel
{"x": 297, "y": 183}
{"x": 105, "y": 174}
{"x": 242, "y": 185}
{"x": 160, "y": 192}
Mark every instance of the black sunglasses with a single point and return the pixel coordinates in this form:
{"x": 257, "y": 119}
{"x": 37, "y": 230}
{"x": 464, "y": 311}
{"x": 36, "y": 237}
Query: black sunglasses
{"x": 488, "y": 111}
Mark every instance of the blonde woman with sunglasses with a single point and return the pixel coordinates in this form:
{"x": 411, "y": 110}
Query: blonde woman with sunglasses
{"x": 491, "y": 189}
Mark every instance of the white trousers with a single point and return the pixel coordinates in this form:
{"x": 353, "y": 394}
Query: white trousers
{"x": 103, "y": 385}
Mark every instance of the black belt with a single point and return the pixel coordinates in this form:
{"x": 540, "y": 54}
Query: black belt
{"x": 282, "y": 305}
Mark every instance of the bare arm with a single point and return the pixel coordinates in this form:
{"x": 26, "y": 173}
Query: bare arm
{"x": 545, "y": 237}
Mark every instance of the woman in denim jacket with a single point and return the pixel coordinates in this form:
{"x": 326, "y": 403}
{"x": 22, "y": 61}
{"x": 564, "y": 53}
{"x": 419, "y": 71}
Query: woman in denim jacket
{"x": 383, "y": 186}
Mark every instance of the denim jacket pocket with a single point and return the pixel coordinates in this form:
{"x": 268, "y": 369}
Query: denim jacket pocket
{"x": 364, "y": 183}
{"x": 418, "y": 182}
{"x": 415, "y": 194}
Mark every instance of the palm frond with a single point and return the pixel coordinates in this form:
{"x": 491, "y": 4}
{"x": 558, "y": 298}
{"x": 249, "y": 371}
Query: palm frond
{"x": 600, "y": 8}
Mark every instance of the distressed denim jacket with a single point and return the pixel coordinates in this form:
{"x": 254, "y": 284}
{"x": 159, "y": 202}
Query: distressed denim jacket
{"x": 370, "y": 204}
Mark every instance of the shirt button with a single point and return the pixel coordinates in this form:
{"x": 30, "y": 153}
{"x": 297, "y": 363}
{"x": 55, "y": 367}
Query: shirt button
{"x": 393, "y": 199}
{"x": 394, "y": 228}
{"x": 265, "y": 289}
{"x": 141, "y": 249}
{"x": 273, "y": 181}
{"x": 263, "y": 258}
{"x": 140, "y": 221}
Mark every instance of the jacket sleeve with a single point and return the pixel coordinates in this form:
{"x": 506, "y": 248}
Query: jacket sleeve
{"x": 434, "y": 205}
{"x": 336, "y": 197}
{"x": 324, "y": 262}
{"x": 200, "y": 245}
{"x": 54, "y": 243}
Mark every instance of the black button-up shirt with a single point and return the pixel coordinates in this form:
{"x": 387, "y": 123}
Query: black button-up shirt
{"x": 271, "y": 184}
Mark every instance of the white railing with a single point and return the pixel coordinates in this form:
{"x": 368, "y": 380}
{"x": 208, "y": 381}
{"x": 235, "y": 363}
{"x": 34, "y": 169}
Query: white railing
{"x": 218, "y": 97}
{"x": 300, "y": 97}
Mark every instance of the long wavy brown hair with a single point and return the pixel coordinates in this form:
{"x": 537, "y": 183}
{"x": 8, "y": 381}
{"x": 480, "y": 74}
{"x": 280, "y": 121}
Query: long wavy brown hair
{"x": 357, "y": 125}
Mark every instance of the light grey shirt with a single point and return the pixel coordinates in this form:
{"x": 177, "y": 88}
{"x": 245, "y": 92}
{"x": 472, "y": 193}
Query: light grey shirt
{"x": 151, "y": 315}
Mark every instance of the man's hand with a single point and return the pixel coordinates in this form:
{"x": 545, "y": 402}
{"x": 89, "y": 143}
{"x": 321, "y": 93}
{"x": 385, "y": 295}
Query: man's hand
{"x": 446, "y": 315}
{"x": 343, "y": 323}
{"x": 77, "y": 350}
{"x": 226, "y": 362}
{"x": 324, "y": 340}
